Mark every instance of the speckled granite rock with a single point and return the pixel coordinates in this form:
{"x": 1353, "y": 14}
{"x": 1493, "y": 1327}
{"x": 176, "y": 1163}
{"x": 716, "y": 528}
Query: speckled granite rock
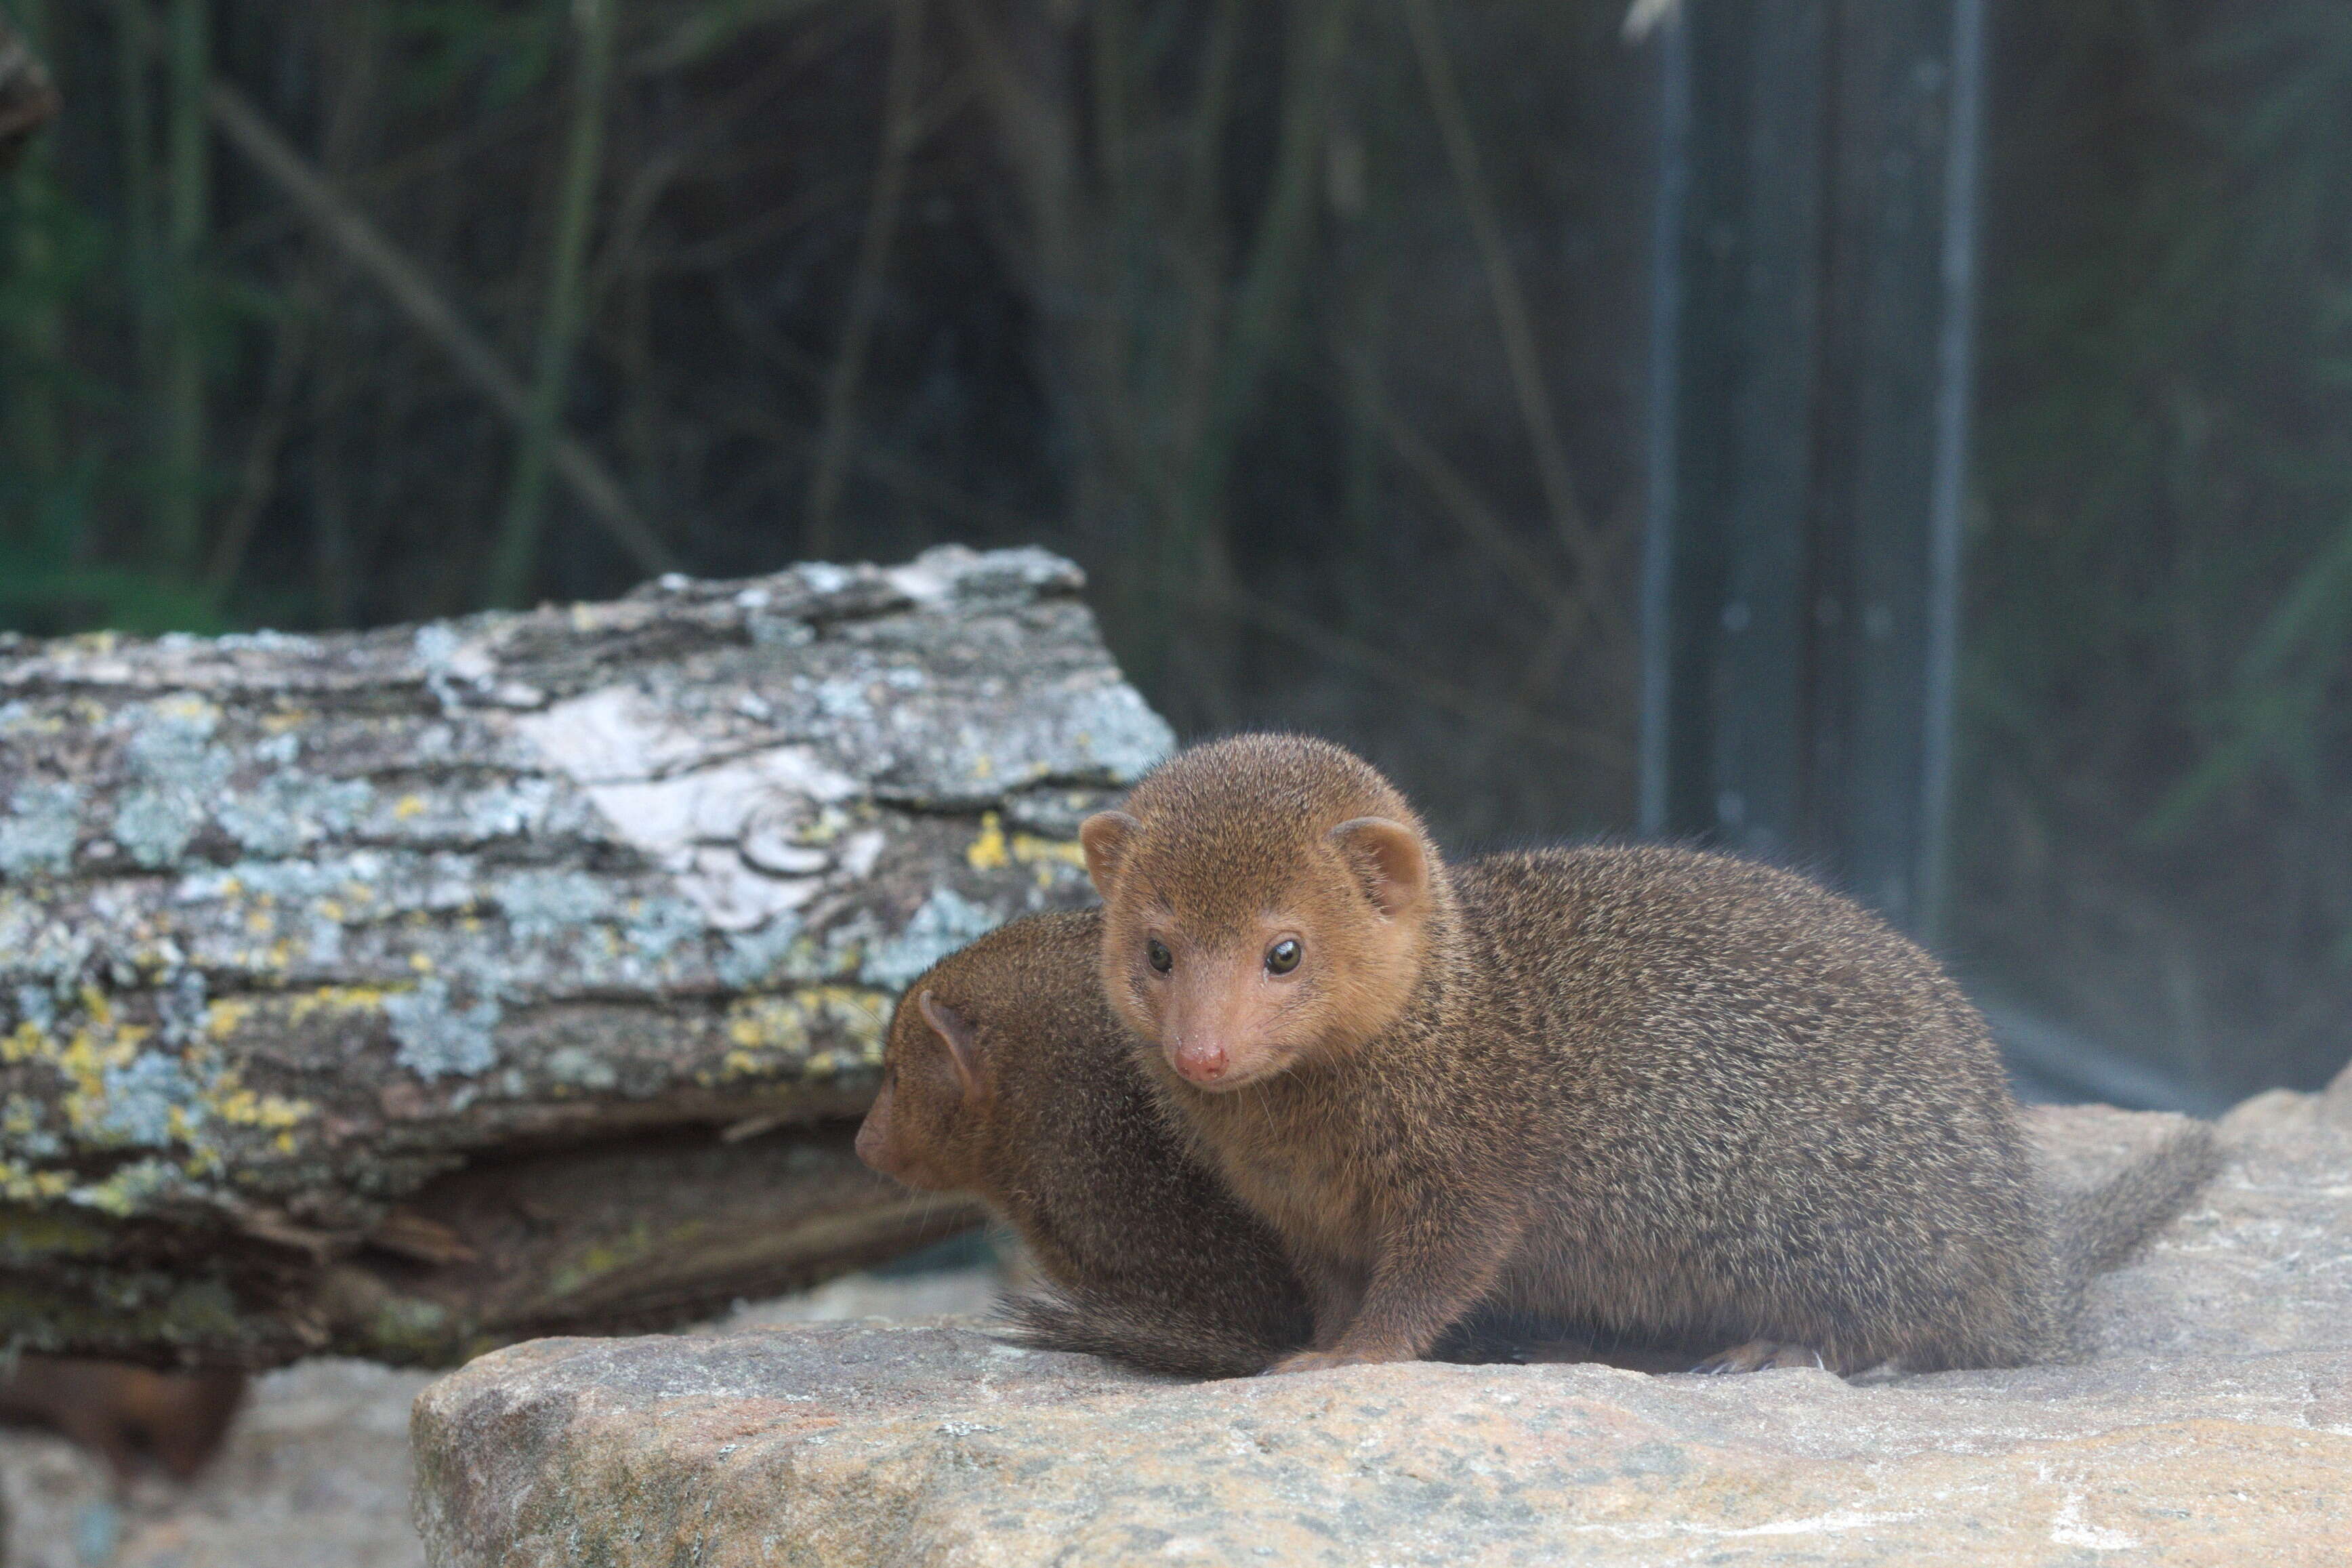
{"x": 2213, "y": 1425}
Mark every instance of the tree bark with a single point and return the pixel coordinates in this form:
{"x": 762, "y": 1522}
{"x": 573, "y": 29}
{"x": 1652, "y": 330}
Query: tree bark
{"x": 404, "y": 993}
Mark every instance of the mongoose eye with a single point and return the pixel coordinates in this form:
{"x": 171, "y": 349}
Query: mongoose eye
{"x": 1283, "y": 956}
{"x": 1160, "y": 958}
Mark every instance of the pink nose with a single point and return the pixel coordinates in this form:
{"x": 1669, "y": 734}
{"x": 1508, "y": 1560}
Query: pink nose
{"x": 1202, "y": 1062}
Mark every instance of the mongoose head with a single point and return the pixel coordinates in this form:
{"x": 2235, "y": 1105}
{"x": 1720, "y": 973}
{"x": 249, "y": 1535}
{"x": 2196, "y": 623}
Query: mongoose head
{"x": 964, "y": 1035}
{"x": 1267, "y": 901}
{"x": 925, "y": 1125}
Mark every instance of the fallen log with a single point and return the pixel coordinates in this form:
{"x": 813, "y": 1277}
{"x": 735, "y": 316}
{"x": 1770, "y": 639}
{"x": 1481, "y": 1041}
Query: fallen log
{"x": 404, "y": 993}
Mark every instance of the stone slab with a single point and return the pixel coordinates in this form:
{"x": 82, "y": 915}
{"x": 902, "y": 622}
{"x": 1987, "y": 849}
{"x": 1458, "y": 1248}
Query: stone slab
{"x": 2211, "y": 1424}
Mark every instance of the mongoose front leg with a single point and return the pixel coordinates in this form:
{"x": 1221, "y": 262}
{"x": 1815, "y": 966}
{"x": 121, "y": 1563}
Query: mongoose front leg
{"x": 1433, "y": 1271}
{"x": 1335, "y": 1294}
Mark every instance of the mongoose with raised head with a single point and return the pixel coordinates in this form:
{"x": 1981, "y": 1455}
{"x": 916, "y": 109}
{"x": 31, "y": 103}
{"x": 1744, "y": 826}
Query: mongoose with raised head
{"x": 1657, "y": 1096}
{"x": 125, "y": 1413}
{"x": 1006, "y": 1074}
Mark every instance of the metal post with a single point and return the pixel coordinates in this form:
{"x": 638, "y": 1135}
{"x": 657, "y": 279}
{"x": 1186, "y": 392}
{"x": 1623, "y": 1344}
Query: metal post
{"x": 1815, "y": 255}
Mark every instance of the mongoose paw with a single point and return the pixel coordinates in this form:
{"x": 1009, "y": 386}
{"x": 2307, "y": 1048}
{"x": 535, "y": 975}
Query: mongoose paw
{"x": 1761, "y": 1355}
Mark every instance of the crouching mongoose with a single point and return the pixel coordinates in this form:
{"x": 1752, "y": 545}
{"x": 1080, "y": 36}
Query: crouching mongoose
{"x": 1653, "y": 1095}
{"x": 1006, "y": 1074}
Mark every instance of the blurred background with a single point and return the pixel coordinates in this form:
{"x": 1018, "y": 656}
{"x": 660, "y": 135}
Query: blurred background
{"x": 1369, "y": 354}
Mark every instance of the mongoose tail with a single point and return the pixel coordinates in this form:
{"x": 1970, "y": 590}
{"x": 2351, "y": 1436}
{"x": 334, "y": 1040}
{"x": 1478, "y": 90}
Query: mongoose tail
{"x": 1158, "y": 1336}
{"x": 2104, "y": 1227}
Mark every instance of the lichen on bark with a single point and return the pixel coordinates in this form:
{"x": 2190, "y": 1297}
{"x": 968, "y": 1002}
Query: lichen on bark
{"x": 300, "y": 936}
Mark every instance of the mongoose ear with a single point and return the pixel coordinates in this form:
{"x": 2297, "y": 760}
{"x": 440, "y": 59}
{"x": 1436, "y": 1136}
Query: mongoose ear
{"x": 1388, "y": 859}
{"x": 1103, "y": 836}
{"x": 963, "y": 1046}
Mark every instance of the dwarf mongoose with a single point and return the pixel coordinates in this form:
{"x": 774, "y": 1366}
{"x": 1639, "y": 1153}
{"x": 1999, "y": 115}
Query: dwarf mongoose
{"x": 1655, "y": 1095}
{"x": 1004, "y": 1074}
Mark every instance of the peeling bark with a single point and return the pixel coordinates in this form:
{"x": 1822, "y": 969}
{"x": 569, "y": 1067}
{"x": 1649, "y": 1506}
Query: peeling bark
{"x": 395, "y": 994}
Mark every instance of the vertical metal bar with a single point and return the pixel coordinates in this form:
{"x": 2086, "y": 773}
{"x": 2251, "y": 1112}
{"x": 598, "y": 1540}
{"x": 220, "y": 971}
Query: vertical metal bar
{"x": 1963, "y": 177}
{"x": 1773, "y": 370}
{"x": 1666, "y": 402}
{"x": 1808, "y": 449}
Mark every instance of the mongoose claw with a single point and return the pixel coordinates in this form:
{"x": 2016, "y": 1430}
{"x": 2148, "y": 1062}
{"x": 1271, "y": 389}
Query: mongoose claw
{"x": 1760, "y": 1355}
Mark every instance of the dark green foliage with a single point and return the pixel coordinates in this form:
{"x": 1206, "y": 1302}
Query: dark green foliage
{"x": 1196, "y": 291}
{"x": 1185, "y": 289}
{"x": 2154, "y": 837}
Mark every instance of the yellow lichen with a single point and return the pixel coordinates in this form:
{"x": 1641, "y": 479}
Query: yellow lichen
{"x": 338, "y": 999}
{"x": 19, "y": 1184}
{"x": 1030, "y": 850}
{"x": 407, "y": 806}
{"x": 242, "y": 1107}
{"x": 224, "y": 1017}
{"x": 988, "y": 852}
{"x": 28, "y": 1041}
{"x": 763, "y": 1029}
{"x": 993, "y": 851}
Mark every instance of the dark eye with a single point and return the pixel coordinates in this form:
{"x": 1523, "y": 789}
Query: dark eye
{"x": 1160, "y": 958}
{"x": 1283, "y": 956}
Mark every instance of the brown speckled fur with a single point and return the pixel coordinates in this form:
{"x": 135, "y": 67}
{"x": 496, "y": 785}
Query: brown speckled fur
{"x": 1642, "y": 1092}
{"x": 1150, "y": 1261}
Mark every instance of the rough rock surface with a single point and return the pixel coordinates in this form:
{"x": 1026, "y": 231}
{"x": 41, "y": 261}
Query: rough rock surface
{"x": 315, "y": 1473}
{"x": 299, "y": 934}
{"x": 2213, "y": 1424}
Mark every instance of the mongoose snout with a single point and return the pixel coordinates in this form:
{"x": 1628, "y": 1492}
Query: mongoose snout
{"x": 1228, "y": 1015}
{"x": 928, "y": 1081}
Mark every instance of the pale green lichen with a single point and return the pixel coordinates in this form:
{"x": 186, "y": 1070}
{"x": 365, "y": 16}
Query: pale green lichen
{"x": 180, "y": 771}
{"x": 289, "y": 809}
{"x": 946, "y": 922}
{"x": 36, "y": 939}
{"x": 577, "y": 1067}
{"x": 652, "y": 928}
{"x": 762, "y": 956}
{"x": 1117, "y": 730}
{"x": 547, "y": 903}
{"x": 437, "y": 1039}
{"x": 38, "y": 834}
{"x": 133, "y": 1188}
